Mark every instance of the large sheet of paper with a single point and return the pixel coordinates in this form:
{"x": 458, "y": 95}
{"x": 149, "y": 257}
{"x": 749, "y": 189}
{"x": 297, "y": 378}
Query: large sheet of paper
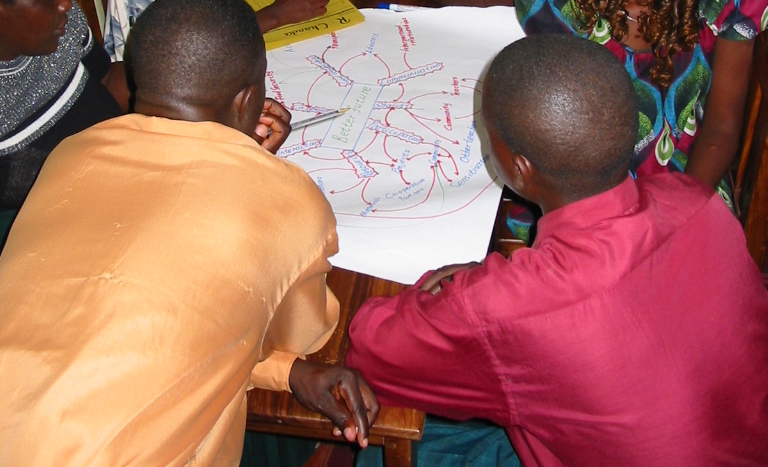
{"x": 406, "y": 167}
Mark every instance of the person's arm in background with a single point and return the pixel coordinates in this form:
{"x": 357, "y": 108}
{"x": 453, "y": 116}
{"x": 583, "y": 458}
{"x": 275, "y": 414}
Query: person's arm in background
{"x": 717, "y": 144}
{"x": 283, "y": 12}
{"x": 428, "y": 351}
{"x": 119, "y": 17}
{"x": 116, "y": 83}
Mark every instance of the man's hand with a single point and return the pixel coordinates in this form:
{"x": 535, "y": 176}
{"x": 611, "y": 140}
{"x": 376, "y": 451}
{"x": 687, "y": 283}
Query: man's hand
{"x": 283, "y": 12}
{"x": 274, "y": 126}
{"x": 340, "y": 394}
{"x": 433, "y": 283}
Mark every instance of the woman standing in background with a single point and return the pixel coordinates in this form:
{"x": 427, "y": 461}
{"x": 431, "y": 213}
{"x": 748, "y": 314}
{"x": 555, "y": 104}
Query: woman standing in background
{"x": 689, "y": 61}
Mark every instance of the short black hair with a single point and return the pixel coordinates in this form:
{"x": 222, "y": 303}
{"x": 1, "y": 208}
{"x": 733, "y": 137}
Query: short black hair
{"x": 568, "y": 105}
{"x": 195, "y": 50}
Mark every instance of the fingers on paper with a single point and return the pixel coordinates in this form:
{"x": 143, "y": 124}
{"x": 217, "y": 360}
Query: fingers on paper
{"x": 444, "y": 275}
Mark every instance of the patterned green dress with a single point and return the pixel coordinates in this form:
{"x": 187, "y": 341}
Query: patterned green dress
{"x": 669, "y": 119}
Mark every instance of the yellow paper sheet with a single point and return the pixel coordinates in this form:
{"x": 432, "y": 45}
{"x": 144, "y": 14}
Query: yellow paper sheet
{"x": 341, "y": 14}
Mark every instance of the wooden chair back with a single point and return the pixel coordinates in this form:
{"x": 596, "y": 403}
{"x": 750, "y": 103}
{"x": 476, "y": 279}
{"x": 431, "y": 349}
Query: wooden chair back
{"x": 751, "y": 176}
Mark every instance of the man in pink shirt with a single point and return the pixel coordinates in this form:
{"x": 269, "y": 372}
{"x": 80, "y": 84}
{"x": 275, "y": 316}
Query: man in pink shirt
{"x": 633, "y": 332}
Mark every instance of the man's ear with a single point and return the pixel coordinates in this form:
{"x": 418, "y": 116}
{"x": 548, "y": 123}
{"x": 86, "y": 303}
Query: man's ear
{"x": 246, "y": 108}
{"x": 529, "y": 183}
{"x": 523, "y": 174}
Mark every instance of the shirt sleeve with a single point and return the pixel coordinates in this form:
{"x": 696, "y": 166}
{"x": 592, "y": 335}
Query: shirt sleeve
{"x": 735, "y": 19}
{"x": 427, "y": 352}
{"x": 302, "y": 324}
{"x": 119, "y": 19}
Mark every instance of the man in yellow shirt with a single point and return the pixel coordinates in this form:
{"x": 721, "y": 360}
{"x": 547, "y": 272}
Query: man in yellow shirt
{"x": 165, "y": 262}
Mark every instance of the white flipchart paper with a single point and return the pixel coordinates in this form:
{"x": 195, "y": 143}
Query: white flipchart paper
{"x": 406, "y": 168}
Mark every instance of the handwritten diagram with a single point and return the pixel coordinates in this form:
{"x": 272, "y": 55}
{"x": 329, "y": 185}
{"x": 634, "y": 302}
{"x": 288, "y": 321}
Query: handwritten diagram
{"x": 404, "y": 168}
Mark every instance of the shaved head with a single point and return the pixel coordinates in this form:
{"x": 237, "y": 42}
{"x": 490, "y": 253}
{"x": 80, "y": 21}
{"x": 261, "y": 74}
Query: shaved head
{"x": 197, "y": 52}
{"x": 568, "y": 106}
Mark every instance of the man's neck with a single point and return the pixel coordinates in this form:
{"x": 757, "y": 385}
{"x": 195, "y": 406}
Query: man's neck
{"x": 177, "y": 110}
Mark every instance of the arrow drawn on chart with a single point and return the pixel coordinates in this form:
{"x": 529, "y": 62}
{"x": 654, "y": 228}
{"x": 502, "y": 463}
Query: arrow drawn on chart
{"x": 323, "y": 158}
{"x": 389, "y": 72}
{"x": 388, "y": 164}
{"x": 322, "y": 57}
{"x": 386, "y": 116}
{"x": 362, "y": 192}
{"x": 375, "y": 135}
{"x": 433, "y": 216}
{"x": 329, "y": 168}
{"x": 467, "y": 116}
{"x": 349, "y": 60}
{"x": 309, "y": 91}
{"x": 455, "y": 167}
{"x": 417, "y": 155}
{"x": 436, "y": 93}
{"x": 333, "y": 192}
{"x": 440, "y": 164}
{"x": 431, "y": 130}
{"x": 402, "y": 92}
{"x": 430, "y": 119}
{"x": 385, "y": 149}
{"x": 403, "y": 178}
{"x": 431, "y": 187}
